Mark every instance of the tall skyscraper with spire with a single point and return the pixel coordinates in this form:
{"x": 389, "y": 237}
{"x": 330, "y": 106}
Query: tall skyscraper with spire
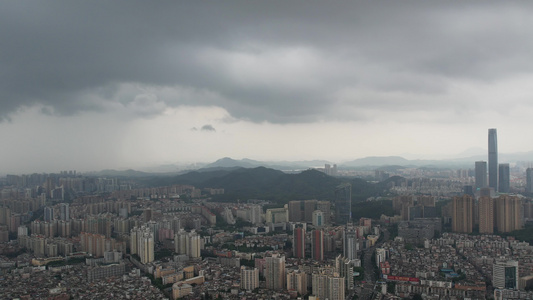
{"x": 493, "y": 159}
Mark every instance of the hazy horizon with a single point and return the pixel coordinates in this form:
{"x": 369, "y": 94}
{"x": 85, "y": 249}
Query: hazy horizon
{"x": 172, "y": 167}
{"x": 130, "y": 84}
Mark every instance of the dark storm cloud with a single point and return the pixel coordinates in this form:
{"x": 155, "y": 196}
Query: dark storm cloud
{"x": 208, "y": 127}
{"x": 262, "y": 61}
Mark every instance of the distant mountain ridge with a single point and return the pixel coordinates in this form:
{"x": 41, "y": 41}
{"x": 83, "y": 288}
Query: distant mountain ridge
{"x": 228, "y": 162}
{"x": 373, "y": 161}
{"x": 367, "y": 163}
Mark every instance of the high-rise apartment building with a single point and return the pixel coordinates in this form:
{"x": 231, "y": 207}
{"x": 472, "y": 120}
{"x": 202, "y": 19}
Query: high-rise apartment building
{"x": 486, "y": 214}
{"x": 486, "y": 192}
{"x": 188, "y": 243}
{"x": 344, "y": 267}
{"x": 493, "y": 159}
{"x": 296, "y": 211}
{"x": 5, "y": 215}
{"x": 343, "y": 203}
{"x": 93, "y": 243}
{"x": 325, "y": 207}
{"x": 22, "y": 231}
{"x": 504, "y": 179}
{"x": 298, "y": 242}
{"x": 328, "y": 286}
{"x": 64, "y": 228}
{"x": 350, "y": 245}
{"x": 146, "y": 247}
{"x": 481, "y": 174}
{"x": 508, "y": 213}
{"x": 318, "y": 218}
{"x": 302, "y": 210}
{"x": 275, "y": 272}
{"x": 317, "y": 248}
{"x": 48, "y": 214}
{"x": 320, "y": 285}
{"x": 528, "y": 210}
{"x": 336, "y": 287}
{"x": 180, "y": 242}
{"x": 425, "y": 200}
{"x": 401, "y": 205}
{"x": 254, "y": 214}
{"x": 64, "y": 212}
{"x": 194, "y": 245}
{"x": 529, "y": 180}
{"x": 297, "y": 281}
{"x": 463, "y": 214}
{"x": 249, "y": 278}
{"x": 505, "y": 274}
{"x": 276, "y": 215}
{"x": 142, "y": 243}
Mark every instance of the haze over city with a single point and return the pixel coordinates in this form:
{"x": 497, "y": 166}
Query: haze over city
{"x": 341, "y": 150}
{"x": 97, "y": 85}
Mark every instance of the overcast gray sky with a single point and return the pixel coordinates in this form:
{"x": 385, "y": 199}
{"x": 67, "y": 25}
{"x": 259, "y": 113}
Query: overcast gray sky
{"x": 127, "y": 84}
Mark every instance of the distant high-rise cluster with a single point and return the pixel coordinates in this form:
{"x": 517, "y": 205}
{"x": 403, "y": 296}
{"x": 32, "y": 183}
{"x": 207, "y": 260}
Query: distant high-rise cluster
{"x": 499, "y": 174}
{"x": 502, "y": 214}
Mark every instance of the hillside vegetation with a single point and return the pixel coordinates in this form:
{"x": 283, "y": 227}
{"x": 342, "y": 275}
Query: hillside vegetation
{"x": 273, "y": 185}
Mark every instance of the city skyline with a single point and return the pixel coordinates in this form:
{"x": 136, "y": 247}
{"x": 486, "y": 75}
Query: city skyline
{"x": 85, "y": 87}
